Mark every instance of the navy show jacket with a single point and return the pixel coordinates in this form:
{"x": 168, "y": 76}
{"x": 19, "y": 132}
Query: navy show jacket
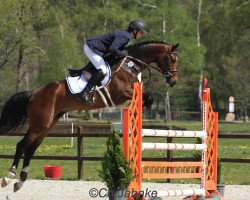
{"x": 113, "y": 42}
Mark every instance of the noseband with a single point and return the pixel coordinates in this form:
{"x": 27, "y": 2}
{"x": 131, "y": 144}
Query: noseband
{"x": 170, "y": 72}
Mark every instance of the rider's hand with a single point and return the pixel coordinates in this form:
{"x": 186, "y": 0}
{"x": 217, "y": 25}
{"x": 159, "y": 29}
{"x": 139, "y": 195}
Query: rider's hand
{"x": 125, "y": 53}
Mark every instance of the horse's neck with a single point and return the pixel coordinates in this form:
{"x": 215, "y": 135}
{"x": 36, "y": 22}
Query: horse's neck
{"x": 147, "y": 53}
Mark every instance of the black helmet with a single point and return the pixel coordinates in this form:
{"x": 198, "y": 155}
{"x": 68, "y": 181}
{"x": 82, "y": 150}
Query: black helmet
{"x": 137, "y": 25}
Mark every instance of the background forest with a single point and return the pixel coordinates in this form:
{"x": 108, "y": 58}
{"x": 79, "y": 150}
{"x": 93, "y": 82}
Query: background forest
{"x": 40, "y": 39}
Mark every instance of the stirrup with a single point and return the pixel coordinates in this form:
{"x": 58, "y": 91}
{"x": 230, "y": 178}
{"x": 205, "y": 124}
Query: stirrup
{"x": 85, "y": 98}
{"x": 84, "y": 94}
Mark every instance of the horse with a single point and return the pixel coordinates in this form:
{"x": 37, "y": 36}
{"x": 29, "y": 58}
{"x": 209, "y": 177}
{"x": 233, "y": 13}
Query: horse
{"x": 43, "y": 107}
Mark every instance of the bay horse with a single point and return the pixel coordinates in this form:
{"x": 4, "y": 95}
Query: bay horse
{"x": 43, "y": 107}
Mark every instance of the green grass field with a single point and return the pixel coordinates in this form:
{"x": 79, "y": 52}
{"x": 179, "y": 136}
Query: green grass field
{"x": 232, "y": 173}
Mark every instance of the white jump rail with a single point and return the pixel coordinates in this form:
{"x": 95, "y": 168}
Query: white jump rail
{"x": 186, "y": 192}
{"x": 173, "y": 133}
{"x": 173, "y": 146}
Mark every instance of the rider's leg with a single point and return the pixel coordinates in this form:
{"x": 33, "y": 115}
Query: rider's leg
{"x": 84, "y": 94}
{"x": 95, "y": 59}
{"x": 100, "y": 65}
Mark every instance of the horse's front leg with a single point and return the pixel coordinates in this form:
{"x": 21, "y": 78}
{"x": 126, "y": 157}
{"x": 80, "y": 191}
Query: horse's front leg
{"x": 147, "y": 100}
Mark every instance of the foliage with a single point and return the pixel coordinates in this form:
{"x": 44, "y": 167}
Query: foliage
{"x": 197, "y": 154}
{"x": 115, "y": 168}
{"x": 6, "y": 83}
{"x": 39, "y": 39}
{"x": 226, "y": 32}
{"x": 61, "y": 54}
{"x": 219, "y": 179}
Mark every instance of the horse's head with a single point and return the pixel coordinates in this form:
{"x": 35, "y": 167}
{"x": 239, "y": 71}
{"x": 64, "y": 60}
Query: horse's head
{"x": 167, "y": 63}
{"x": 161, "y": 53}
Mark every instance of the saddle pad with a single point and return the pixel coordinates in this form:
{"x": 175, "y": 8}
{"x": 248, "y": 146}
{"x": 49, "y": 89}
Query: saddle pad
{"x": 78, "y": 83}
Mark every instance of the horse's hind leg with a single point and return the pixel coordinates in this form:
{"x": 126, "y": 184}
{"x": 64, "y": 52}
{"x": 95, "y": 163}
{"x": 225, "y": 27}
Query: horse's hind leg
{"x": 29, "y": 152}
{"x": 41, "y": 114}
{"x": 20, "y": 148}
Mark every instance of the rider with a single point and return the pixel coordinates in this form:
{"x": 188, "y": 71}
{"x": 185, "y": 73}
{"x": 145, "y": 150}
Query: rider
{"x": 114, "y": 43}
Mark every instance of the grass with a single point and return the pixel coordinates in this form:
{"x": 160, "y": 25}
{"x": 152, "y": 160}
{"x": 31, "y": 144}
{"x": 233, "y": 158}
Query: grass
{"x": 234, "y": 128}
{"x": 196, "y": 125}
{"x": 232, "y": 173}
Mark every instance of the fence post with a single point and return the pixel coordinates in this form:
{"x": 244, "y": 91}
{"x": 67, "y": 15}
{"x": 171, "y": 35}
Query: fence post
{"x": 169, "y": 155}
{"x": 79, "y": 152}
{"x": 169, "y": 152}
{"x": 125, "y": 129}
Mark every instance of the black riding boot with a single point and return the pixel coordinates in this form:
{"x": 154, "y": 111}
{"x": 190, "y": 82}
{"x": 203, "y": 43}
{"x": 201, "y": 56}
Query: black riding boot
{"x": 84, "y": 94}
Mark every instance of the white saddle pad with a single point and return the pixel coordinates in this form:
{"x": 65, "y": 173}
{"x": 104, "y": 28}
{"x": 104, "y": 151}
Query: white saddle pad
{"x": 78, "y": 83}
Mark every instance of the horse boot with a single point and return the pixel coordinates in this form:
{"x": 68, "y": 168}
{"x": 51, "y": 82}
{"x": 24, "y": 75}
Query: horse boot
{"x": 84, "y": 94}
{"x": 11, "y": 174}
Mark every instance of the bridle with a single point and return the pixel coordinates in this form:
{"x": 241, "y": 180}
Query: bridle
{"x": 167, "y": 74}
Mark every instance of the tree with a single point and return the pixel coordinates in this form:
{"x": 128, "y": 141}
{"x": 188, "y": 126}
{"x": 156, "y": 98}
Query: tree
{"x": 116, "y": 171}
{"x": 225, "y": 24}
{"x": 39, "y": 39}
{"x": 180, "y": 26}
{"x": 63, "y": 51}
{"x": 18, "y": 37}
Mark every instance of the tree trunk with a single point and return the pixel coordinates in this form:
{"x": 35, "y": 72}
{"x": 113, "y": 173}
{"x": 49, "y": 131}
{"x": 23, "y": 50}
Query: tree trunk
{"x": 199, "y": 44}
{"x": 167, "y": 108}
{"x": 245, "y": 111}
{"x": 21, "y": 77}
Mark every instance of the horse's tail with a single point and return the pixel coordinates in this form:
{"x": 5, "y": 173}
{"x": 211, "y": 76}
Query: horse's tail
{"x": 14, "y": 112}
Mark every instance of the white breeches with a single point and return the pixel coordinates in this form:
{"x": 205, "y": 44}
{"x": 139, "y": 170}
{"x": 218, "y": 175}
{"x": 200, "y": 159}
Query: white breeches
{"x": 96, "y": 60}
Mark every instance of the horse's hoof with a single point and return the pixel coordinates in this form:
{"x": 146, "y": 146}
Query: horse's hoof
{"x": 5, "y": 181}
{"x": 17, "y": 186}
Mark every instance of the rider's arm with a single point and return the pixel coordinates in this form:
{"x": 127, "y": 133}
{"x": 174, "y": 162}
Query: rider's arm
{"x": 118, "y": 45}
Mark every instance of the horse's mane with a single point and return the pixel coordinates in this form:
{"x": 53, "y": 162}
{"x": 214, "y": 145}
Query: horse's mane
{"x": 139, "y": 44}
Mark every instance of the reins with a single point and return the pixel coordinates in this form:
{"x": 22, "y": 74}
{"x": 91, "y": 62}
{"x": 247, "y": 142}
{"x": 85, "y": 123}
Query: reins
{"x": 153, "y": 67}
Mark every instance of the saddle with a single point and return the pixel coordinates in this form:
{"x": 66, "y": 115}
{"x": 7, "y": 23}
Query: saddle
{"x": 89, "y": 69}
{"x": 78, "y": 78}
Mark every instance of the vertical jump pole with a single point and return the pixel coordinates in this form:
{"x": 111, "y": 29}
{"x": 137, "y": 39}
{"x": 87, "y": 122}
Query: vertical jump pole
{"x": 132, "y": 130}
{"x": 125, "y": 129}
{"x": 72, "y": 139}
{"x": 210, "y": 125}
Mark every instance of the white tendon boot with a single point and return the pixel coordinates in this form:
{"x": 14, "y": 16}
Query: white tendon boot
{"x": 10, "y": 175}
{"x": 23, "y": 176}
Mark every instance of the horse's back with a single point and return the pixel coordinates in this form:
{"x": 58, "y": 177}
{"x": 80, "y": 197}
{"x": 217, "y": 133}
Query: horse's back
{"x": 50, "y": 89}
{"x": 46, "y": 96}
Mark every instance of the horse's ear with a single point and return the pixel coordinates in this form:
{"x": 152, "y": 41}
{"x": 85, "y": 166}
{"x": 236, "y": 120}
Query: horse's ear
{"x": 174, "y": 47}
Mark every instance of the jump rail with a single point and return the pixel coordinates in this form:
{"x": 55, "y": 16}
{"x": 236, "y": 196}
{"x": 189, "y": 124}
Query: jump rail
{"x": 205, "y": 170}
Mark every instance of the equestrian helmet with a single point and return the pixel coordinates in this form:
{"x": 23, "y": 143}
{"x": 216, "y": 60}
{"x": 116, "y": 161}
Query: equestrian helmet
{"x": 137, "y": 25}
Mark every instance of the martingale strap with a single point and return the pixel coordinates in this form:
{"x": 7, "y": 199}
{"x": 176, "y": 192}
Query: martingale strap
{"x": 106, "y": 97}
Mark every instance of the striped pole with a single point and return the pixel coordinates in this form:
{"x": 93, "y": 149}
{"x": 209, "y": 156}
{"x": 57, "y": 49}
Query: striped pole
{"x": 173, "y": 146}
{"x": 173, "y": 133}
